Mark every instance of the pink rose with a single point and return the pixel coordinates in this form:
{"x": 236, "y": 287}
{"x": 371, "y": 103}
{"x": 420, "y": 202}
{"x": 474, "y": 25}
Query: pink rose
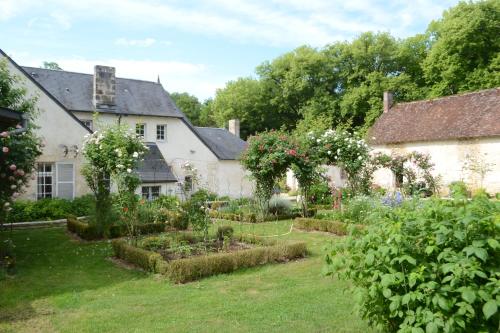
{"x": 20, "y": 172}
{"x": 15, "y": 194}
{"x": 5, "y": 149}
{"x": 4, "y": 134}
{"x": 18, "y": 126}
{"x": 13, "y": 167}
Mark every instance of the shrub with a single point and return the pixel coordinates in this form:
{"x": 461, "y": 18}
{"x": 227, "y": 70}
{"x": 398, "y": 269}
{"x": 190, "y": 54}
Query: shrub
{"x": 147, "y": 260}
{"x": 334, "y": 227}
{"x": 458, "y": 189}
{"x": 90, "y": 232}
{"x": 427, "y": 266}
{"x": 357, "y": 209}
{"x": 320, "y": 193}
{"x": 170, "y": 202}
{"x": 279, "y": 206}
{"x": 190, "y": 269}
{"x": 224, "y": 231}
{"x": 177, "y": 220}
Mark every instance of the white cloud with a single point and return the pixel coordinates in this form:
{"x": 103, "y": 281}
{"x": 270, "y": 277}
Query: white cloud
{"x": 146, "y": 42}
{"x": 275, "y": 22}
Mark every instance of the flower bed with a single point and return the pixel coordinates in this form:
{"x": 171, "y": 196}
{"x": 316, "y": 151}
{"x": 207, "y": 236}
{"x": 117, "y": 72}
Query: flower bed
{"x": 89, "y": 232}
{"x": 182, "y": 260}
{"x": 335, "y": 227}
{"x": 252, "y": 217}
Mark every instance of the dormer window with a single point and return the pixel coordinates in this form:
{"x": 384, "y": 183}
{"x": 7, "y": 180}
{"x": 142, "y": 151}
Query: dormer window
{"x": 140, "y": 130}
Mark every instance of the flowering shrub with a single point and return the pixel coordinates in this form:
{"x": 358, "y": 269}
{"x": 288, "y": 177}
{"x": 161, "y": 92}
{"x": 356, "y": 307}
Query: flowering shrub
{"x": 18, "y": 151}
{"x": 427, "y": 266}
{"x": 112, "y": 154}
{"x": 343, "y": 149}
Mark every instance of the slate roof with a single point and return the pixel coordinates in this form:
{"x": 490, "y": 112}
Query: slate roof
{"x": 135, "y": 97}
{"x": 465, "y": 116}
{"x": 223, "y": 143}
{"x": 154, "y": 168}
{"x": 75, "y": 92}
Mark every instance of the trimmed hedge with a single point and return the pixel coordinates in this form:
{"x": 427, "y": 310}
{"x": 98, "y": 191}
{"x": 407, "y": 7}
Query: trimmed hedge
{"x": 148, "y": 260}
{"x": 335, "y": 227}
{"x": 252, "y": 217}
{"x": 89, "y": 232}
{"x": 190, "y": 269}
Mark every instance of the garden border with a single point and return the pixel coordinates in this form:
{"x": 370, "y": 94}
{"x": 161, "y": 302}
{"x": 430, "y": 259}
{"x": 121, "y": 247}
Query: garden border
{"x": 331, "y": 226}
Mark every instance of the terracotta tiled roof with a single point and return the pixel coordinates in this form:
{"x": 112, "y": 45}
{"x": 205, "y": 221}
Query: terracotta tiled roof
{"x": 470, "y": 115}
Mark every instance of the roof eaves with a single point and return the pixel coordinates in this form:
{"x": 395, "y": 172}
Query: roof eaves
{"x": 44, "y": 90}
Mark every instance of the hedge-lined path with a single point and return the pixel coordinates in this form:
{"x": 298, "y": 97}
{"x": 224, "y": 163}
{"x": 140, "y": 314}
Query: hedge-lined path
{"x": 67, "y": 286}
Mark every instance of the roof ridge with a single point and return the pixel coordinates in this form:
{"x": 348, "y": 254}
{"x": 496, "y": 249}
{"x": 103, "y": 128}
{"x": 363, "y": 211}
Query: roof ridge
{"x": 447, "y": 97}
{"x": 80, "y": 73}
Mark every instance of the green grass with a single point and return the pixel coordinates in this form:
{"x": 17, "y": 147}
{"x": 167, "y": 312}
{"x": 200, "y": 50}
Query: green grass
{"x": 63, "y": 285}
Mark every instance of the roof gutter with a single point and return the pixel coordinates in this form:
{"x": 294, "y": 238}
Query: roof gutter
{"x": 24, "y": 126}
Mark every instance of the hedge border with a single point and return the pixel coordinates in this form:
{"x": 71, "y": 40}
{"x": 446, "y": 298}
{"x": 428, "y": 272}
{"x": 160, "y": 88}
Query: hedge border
{"x": 334, "y": 227}
{"x": 252, "y": 218}
{"x": 191, "y": 269}
{"x": 89, "y": 232}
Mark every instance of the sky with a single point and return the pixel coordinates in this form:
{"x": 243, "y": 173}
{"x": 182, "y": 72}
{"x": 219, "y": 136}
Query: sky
{"x": 193, "y": 46}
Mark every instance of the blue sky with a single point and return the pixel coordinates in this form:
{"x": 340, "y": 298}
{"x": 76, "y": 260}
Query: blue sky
{"x": 195, "y": 46}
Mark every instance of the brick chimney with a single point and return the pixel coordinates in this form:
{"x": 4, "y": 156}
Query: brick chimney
{"x": 388, "y": 99}
{"x": 234, "y": 127}
{"x": 104, "y": 87}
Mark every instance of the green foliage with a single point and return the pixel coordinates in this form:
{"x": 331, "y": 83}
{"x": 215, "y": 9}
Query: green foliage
{"x": 320, "y": 193}
{"x": 190, "y": 269}
{"x": 50, "y": 209}
{"x": 465, "y": 49}
{"x": 224, "y": 231}
{"x": 279, "y": 206}
{"x": 360, "y": 209}
{"x": 427, "y": 266}
{"x": 458, "y": 189}
{"x": 51, "y": 65}
{"x": 170, "y": 202}
{"x": 335, "y": 227}
{"x": 200, "y": 114}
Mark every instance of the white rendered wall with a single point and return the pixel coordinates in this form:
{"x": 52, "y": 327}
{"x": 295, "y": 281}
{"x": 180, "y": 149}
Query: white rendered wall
{"x": 448, "y": 158}
{"x": 56, "y": 127}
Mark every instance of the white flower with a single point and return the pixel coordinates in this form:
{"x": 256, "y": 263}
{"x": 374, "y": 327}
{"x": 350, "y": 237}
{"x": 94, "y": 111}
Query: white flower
{"x": 360, "y": 157}
{"x": 329, "y": 152}
{"x": 318, "y": 140}
{"x": 129, "y": 170}
{"x": 135, "y": 154}
{"x": 338, "y": 151}
{"x": 120, "y": 166}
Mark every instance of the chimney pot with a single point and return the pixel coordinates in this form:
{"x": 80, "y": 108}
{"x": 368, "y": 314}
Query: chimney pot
{"x": 388, "y": 100}
{"x": 104, "y": 87}
{"x": 234, "y": 127}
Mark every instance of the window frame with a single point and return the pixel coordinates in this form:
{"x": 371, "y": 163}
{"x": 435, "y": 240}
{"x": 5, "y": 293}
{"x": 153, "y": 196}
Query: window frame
{"x": 164, "y": 134}
{"x": 52, "y": 174}
{"x": 151, "y": 194}
{"x": 143, "y": 125}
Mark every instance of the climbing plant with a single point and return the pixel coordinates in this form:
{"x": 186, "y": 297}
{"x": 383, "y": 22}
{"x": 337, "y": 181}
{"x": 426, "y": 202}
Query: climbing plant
{"x": 112, "y": 154}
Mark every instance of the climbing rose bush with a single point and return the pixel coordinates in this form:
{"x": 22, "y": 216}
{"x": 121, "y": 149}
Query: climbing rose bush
{"x": 112, "y": 154}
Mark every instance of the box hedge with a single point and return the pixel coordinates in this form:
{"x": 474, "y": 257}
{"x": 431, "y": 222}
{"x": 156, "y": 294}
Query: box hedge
{"x": 335, "y": 227}
{"x": 252, "y": 217}
{"x": 190, "y": 269}
{"x": 89, "y": 232}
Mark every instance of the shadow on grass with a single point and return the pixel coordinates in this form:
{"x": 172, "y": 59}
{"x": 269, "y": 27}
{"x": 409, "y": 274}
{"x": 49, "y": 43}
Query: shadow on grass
{"x": 50, "y": 263}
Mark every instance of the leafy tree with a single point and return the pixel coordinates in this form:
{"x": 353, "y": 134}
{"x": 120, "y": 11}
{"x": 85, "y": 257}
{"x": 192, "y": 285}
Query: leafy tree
{"x": 189, "y": 105}
{"x": 51, "y": 65}
{"x": 18, "y": 152}
{"x": 465, "y": 50}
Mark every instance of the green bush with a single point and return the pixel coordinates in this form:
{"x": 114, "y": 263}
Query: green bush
{"x": 147, "y": 260}
{"x": 170, "y": 202}
{"x": 320, "y": 193}
{"x": 428, "y": 266}
{"x": 89, "y": 231}
{"x": 224, "y": 231}
{"x": 335, "y": 227}
{"x": 190, "y": 269}
{"x": 50, "y": 209}
{"x": 358, "y": 209}
{"x": 458, "y": 189}
{"x": 279, "y": 206}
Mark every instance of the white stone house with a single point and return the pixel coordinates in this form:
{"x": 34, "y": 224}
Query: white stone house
{"x": 67, "y": 102}
{"x": 450, "y": 129}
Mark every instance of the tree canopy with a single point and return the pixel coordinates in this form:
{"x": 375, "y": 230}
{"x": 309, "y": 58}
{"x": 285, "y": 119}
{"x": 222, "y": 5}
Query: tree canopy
{"x": 343, "y": 83}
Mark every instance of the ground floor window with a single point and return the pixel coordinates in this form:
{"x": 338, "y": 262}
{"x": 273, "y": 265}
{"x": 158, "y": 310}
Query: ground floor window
{"x": 150, "y": 192}
{"x": 45, "y": 180}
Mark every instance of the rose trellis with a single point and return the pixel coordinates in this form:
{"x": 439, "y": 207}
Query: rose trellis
{"x": 343, "y": 149}
{"x": 270, "y": 154}
{"x": 112, "y": 155}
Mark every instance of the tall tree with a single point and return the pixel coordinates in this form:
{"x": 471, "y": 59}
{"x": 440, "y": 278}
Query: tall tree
{"x": 465, "y": 51}
{"x": 51, "y": 65}
{"x": 189, "y": 105}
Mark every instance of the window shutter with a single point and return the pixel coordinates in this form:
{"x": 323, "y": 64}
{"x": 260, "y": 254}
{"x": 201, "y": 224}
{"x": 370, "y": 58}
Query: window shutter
{"x": 65, "y": 180}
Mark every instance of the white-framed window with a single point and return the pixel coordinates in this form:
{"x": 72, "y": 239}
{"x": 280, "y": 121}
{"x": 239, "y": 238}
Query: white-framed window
{"x": 140, "y": 130}
{"x": 150, "y": 192}
{"x": 161, "y": 132}
{"x": 188, "y": 183}
{"x": 88, "y": 123}
{"x": 45, "y": 180}
{"x": 65, "y": 180}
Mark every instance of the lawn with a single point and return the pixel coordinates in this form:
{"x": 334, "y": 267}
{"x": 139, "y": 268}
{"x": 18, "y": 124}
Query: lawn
{"x": 67, "y": 286}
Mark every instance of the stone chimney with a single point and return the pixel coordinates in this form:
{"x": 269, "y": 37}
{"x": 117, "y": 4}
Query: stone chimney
{"x": 388, "y": 99}
{"x": 234, "y": 127}
{"x": 104, "y": 87}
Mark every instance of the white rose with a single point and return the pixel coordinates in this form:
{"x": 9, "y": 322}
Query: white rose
{"x": 129, "y": 170}
{"x": 329, "y": 152}
{"x": 135, "y": 154}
